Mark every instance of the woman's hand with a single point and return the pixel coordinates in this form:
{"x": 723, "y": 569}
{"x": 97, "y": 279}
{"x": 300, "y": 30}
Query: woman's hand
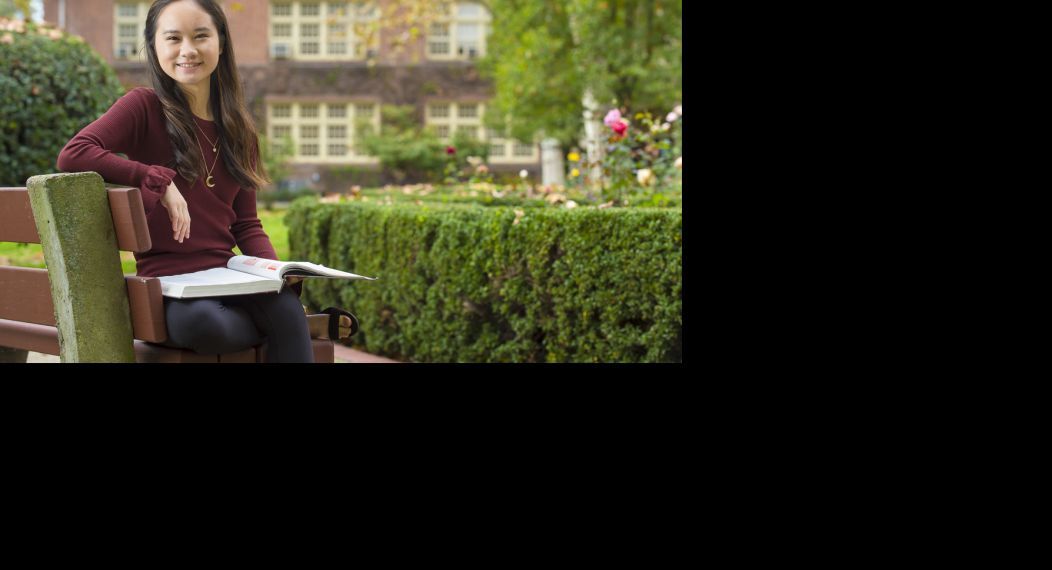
{"x": 175, "y": 204}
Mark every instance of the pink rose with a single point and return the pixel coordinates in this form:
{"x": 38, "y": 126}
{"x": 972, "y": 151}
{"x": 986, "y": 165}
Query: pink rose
{"x": 450, "y": 150}
{"x": 620, "y": 127}
{"x": 612, "y": 118}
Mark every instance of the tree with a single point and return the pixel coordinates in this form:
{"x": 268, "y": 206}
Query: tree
{"x": 544, "y": 55}
{"x": 10, "y": 8}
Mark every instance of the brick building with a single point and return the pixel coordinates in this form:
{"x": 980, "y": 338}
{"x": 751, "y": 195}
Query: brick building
{"x": 313, "y": 69}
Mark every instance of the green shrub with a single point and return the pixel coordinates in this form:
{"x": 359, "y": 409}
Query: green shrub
{"x": 462, "y": 283}
{"x": 408, "y": 150}
{"x": 51, "y": 86}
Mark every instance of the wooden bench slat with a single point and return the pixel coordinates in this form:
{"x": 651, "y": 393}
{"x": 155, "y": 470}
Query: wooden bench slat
{"x": 16, "y": 217}
{"x": 25, "y": 295}
{"x": 129, "y": 218}
{"x": 29, "y": 336}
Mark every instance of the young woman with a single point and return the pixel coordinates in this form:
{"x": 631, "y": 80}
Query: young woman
{"x": 192, "y": 149}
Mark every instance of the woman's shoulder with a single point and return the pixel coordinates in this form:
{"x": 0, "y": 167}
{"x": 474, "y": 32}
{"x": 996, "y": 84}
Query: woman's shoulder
{"x": 142, "y": 94}
{"x": 141, "y": 101}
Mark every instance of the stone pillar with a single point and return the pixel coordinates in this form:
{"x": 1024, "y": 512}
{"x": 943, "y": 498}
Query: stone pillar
{"x": 593, "y": 143}
{"x": 552, "y": 169}
{"x": 72, "y": 213}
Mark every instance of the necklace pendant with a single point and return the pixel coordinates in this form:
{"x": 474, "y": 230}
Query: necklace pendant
{"x": 209, "y": 183}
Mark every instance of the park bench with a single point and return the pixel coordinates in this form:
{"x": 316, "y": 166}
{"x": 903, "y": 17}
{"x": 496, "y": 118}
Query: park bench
{"x": 82, "y": 307}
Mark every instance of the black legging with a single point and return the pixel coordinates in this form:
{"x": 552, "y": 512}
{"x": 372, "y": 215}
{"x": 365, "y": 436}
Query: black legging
{"x": 218, "y": 325}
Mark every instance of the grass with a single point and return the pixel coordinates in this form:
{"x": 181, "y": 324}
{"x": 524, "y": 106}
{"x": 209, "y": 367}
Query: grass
{"x": 31, "y": 255}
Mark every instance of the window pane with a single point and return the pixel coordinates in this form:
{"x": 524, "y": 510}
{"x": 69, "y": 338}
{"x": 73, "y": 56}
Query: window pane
{"x": 470, "y": 10}
{"x": 281, "y": 111}
{"x": 308, "y": 131}
{"x": 442, "y": 131}
{"x": 337, "y": 149}
{"x": 364, "y": 111}
{"x": 439, "y": 111}
{"x": 309, "y": 48}
{"x": 496, "y": 150}
{"x": 128, "y": 30}
{"x": 468, "y": 111}
{"x": 281, "y": 9}
{"x": 337, "y": 48}
{"x": 337, "y": 8}
{"x": 309, "y": 30}
{"x": 438, "y": 48}
{"x": 439, "y": 30}
{"x": 308, "y": 111}
{"x": 128, "y": 10}
{"x": 282, "y": 30}
{"x": 337, "y": 31}
{"x": 523, "y": 149}
{"x": 309, "y": 9}
{"x": 281, "y": 131}
{"x": 337, "y": 132}
{"x": 337, "y": 111}
{"x": 310, "y": 149}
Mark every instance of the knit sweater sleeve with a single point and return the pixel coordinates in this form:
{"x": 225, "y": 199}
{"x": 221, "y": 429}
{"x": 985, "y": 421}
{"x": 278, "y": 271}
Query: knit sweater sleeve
{"x": 121, "y": 129}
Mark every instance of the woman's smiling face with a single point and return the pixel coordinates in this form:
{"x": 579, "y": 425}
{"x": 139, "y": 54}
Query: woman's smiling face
{"x": 187, "y": 43}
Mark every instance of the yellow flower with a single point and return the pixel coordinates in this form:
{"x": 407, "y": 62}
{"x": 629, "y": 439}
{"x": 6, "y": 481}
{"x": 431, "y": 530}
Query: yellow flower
{"x": 573, "y": 157}
{"x": 575, "y": 173}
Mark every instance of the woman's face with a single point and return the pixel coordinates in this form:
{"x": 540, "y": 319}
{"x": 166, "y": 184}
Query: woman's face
{"x": 187, "y": 43}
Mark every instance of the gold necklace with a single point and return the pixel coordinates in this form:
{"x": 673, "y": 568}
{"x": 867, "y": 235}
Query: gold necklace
{"x": 208, "y": 181}
{"x": 215, "y": 145}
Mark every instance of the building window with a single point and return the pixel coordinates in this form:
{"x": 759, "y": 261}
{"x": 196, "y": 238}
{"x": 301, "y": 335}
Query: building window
{"x": 467, "y": 119}
{"x": 322, "y": 132}
{"x": 128, "y": 23}
{"x": 322, "y": 31}
{"x": 460, "y": 33}
{"x": 503, "y": 150}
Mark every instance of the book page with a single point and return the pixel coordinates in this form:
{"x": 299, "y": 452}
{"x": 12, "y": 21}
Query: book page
{"x": 279, "y": 269}
{"x": 256, "y": 266}
{"x": 215, "y": 282}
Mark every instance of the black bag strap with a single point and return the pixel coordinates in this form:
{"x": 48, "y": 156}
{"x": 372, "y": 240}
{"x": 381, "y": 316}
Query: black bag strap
{"x": 334, "y": 322}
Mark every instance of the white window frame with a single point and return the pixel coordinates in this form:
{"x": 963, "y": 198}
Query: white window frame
{"x": 322, "y": 121}
{"x": 451, "y": 18}
{"x": 353, "y": 18}
{"x": 139, "y": 21}
{"x": 453, "y": 121}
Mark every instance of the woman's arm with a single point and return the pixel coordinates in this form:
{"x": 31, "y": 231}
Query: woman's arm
{"x": 122, "y": 128}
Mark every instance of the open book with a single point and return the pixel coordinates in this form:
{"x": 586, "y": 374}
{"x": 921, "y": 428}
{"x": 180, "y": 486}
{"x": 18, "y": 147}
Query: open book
{"x": 244, "y": 275}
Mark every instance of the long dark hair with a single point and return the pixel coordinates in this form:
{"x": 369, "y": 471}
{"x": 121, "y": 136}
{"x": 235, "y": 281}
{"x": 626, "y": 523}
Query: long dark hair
{"x": 238, "y": 139}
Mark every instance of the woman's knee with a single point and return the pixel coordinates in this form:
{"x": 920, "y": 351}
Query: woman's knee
{"x": 213, "y": 329}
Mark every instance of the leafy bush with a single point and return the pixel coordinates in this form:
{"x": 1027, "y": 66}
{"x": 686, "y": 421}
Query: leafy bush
{"x": 407, "y": 149}
{"x": 464, "y": 283}
{"x": 51, "y": 86}
{"x": 642, "y": 164}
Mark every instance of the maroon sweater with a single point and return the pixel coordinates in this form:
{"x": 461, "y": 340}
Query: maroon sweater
{"x": 220, "y": 217}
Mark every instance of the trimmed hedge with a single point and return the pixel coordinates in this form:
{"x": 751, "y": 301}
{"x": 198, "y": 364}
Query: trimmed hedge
{"x": 51, "y": 86}
{"x": 468, "y": 284}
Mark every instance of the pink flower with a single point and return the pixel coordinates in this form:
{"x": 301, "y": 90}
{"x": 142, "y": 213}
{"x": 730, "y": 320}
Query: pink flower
{"x": 612, "y": 118}
{"x": 450, "y": 150}
{"x": 620, "y": 127}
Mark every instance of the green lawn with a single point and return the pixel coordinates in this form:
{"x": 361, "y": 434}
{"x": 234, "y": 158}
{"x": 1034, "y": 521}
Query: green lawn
{"x": 30, "y": 255}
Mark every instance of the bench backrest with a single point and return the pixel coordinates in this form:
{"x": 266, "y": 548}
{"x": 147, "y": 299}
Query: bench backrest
{"x": 82, "y": 226}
